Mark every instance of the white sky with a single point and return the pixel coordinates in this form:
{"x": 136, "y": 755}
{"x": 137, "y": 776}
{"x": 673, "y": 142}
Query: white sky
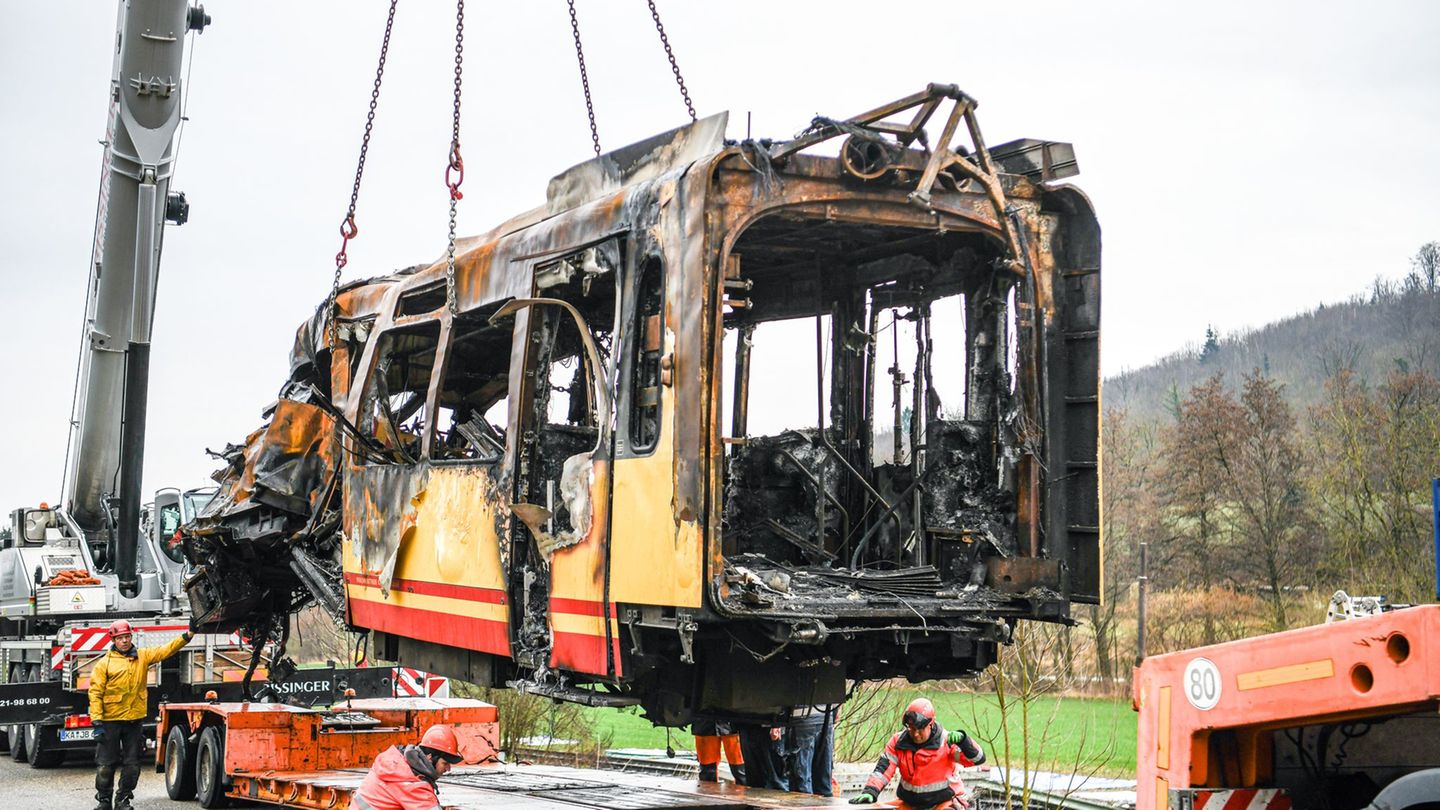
{"x": 1247, "y": 160}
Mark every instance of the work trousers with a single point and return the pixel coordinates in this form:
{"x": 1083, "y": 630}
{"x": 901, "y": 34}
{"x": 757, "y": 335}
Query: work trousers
{"x": 119, "y": 746}
{"x": 707, "y": 752}
{"x": 764, "y": 758}
{"x": 809, "y": 754}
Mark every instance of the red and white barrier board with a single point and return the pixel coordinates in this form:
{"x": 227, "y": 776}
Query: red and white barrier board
{"x": 418, "y": 683}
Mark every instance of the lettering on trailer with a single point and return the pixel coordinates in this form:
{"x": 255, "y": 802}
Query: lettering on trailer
{"x": 312, "y": 687}
{"x": 1243, "y": 799}
{"x": 35, "y": 702}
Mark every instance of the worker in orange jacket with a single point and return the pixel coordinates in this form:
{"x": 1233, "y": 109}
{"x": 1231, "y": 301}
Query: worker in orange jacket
{"x": 118, "y": 703}
{"x": 929, "y": 760}
{"x": 406, "y": 778}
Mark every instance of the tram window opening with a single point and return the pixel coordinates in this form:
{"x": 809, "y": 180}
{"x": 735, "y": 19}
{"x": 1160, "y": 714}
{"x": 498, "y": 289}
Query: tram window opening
{"x": 393, "y": 411}
{"x": 472, "y": 409}
{"x": 649, "y": 347}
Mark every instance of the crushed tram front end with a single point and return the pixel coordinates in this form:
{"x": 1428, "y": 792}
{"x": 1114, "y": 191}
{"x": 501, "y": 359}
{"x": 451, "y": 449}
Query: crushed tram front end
{"x": 718, "y": 429}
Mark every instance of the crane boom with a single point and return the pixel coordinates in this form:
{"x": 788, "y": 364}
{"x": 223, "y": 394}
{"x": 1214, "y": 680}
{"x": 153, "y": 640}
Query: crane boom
{"x": 104, "y": 469}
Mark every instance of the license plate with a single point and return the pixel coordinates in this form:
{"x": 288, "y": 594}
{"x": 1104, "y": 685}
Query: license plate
{"x": 76, "y": 734}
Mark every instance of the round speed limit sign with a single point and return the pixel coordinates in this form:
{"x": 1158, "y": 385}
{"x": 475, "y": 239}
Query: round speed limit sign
{"x": 1202, "y": 684}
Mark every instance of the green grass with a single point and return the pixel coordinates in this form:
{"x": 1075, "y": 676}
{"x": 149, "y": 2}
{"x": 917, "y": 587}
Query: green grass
{"x": 1066, "y": 733}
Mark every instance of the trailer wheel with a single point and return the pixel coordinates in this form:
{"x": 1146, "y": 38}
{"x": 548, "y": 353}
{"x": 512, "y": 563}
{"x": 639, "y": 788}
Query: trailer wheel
{"x": 17, "y": 743}
{"x": 179, "y": 765}
{"x": 210, "y": 769}
{"x": 16, "y": 733}
{"x": 37, "y": 742}
{"x": 39, "y": 739}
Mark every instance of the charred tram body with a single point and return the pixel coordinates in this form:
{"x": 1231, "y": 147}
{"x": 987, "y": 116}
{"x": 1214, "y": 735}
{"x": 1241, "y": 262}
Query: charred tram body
{"x": 553, "y": 471}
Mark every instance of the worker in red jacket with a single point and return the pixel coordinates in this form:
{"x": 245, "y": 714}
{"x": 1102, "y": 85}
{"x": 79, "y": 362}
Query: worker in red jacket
{"x": 929, "y": 760}
{"x": 405, "y": 778}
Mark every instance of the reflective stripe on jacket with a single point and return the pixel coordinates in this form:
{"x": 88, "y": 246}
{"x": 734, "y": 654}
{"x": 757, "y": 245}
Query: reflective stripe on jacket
{"x": 392, "y": 784}
{"x": 929, "y": 771}
{"x": 117, "y": 684}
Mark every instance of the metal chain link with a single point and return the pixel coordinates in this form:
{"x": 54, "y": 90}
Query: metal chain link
{"x": 670, "y": 54}
{"x": 456, "y": 164}
{"x": 348, "y": 230}
{"x": 584, "y": 77}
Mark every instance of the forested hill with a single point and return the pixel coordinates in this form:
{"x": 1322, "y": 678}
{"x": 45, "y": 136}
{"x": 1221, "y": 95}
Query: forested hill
{"x": 1393, "y": 326}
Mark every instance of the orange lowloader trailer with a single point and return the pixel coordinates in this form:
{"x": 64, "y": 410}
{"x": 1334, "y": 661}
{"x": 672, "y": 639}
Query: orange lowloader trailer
{"x": 1332, "y": 716}
{"x": 275, "y": 754}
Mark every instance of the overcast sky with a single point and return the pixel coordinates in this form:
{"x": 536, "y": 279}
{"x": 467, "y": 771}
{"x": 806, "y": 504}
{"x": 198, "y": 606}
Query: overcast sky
{"x": 1247, "y": 159}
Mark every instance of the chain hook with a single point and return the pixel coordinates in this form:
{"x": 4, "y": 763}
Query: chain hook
{"x": 455, "y": 168}
{"x": 456, "y": 165}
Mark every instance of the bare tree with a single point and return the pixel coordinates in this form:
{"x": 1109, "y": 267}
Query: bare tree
{"x": 1130, "y": 515}
{"x": 1425, "y": 267}
{"x": 1192, "y": 479}
{"x": 1375, "y": 452}
{"x": 1262, "y": 465}
{"x": 1023, "y": 736}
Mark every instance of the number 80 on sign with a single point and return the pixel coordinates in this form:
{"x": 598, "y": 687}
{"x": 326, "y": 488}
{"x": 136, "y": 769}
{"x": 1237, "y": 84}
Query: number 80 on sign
{"x": 1201, "y": 684}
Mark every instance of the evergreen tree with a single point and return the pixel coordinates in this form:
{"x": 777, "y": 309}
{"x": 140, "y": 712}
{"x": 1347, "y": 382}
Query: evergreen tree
{"x": 1212, "y": 344}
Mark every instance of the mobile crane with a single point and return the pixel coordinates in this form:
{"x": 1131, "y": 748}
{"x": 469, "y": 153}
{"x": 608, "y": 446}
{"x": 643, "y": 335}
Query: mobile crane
{"x": 68, "y": 570}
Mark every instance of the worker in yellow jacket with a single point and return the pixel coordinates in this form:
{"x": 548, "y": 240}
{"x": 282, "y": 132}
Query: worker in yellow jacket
{"x": 118, "y": 702}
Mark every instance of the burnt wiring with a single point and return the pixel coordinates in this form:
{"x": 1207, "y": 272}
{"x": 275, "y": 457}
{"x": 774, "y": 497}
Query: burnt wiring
{"x": 759, "y": 657}
{"x": 261, "y": 632}
{"x": 756, "y": 155}
{"x": 822, "y": 125}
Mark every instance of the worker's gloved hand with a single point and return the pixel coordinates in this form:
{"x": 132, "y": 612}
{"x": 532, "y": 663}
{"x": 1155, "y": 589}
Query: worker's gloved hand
{"x": 194, "y": 625}
{"x": 99, "y": 727}
{"x": 967, "y": 746}
{"x": 866, "y": 796}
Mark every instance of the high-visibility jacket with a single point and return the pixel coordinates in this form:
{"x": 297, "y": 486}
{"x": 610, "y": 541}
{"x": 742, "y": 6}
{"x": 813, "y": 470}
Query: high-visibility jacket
{"x": 929, "y": 771}
{"x": 117, "y": 684}
{"x": 393, "y": 784}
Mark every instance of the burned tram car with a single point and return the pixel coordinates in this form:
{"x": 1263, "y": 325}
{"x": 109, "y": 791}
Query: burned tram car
{"x": 717, "y": 428}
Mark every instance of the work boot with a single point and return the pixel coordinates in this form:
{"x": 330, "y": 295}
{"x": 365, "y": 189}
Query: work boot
{"x": 738, "y": 771}
{"x": 124, "y": 804}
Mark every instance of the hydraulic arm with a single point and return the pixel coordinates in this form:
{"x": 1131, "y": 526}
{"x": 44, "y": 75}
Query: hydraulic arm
{"x": 102, "y": 489}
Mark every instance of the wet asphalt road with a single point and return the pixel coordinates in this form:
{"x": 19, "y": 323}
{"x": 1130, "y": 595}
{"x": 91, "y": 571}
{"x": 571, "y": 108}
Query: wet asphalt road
{"x": 72, "y": 785}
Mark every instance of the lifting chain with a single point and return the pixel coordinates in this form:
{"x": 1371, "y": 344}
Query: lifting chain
{"x": 669, "y": 54}
{"x": 348, "y": 230}
{"x": 585, "y": 78}
{"x": 456, "y": 164}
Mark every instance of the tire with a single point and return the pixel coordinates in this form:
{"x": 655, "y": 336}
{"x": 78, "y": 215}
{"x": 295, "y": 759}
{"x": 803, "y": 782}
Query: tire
{"x": 210, "y": 769}
{"x": 5, "y": 740}
{"x": 179, "y": 765}
{"x": 38, "y": 744}
{"x": 16, "y": 733}
{"x": 40, "y": 740}
{"x": 17, "y": 743}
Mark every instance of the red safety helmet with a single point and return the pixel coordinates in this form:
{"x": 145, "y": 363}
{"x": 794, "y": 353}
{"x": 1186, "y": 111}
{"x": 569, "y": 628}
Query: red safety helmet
{"x": 441, "y": 740}
{"x": 120, "y": 627}
{"x": 919, "y": 714}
